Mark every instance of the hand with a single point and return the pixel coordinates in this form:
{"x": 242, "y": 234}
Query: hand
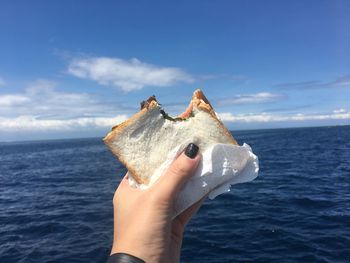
{"x": 143, "y": 224}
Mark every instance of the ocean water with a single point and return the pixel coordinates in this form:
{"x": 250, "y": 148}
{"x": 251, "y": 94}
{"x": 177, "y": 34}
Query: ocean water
{"x": 56, "y": 202}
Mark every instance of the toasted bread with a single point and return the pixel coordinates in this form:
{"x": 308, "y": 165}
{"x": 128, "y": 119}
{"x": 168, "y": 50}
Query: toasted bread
{"x": 143, "y": 142}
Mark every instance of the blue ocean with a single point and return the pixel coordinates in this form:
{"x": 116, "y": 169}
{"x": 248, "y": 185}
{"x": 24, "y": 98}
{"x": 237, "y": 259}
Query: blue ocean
{"x": 56, "y": 202}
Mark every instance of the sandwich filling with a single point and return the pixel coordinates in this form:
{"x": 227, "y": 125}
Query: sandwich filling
{"x": 182, "y": 117}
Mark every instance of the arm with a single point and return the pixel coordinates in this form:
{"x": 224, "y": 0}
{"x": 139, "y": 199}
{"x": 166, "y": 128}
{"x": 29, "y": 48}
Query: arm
{"x": 143, "y": 226}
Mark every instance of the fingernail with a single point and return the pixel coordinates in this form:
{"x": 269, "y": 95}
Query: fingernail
{"x": 191, "y": 150}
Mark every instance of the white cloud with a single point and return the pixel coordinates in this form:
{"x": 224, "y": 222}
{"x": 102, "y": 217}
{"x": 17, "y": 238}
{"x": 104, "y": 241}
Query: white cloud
{"x": 41, "y": 107}
{"x": 261, "y": 97}
{"x": 42, "y": 98}
{"x": 32, "y": 123}
{"x": 2, "y": 82}
{"x": 12, "y": 100}
{"x": 265, "y": 117}
{"x": 340, "y": 111}
{"x": 126, "y": 74}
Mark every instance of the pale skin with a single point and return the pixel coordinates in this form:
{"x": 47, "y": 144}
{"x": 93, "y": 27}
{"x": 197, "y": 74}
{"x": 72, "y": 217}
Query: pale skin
{"x": 143, "y": 224}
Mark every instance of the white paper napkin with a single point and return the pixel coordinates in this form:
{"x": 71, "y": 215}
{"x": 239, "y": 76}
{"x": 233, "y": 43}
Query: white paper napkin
{"x": 222, "y": 165}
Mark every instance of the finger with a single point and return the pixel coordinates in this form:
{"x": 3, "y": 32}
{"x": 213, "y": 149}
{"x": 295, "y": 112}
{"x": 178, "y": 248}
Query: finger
{"x": 178, "y": 173}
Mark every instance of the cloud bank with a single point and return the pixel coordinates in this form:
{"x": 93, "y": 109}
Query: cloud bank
{"x": 340, "y": 114}
{"x": 41, "y": 98}
{"x": 41, "y": 107}
{"x": 32, "y": 123}
{"x": 127, "y": 75}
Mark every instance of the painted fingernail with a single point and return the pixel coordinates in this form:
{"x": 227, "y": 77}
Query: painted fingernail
{"x": 191, "y": 150}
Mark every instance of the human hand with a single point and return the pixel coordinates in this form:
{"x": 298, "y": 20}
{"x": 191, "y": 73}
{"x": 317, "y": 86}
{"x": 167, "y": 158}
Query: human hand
{"x": 143, "y": 224}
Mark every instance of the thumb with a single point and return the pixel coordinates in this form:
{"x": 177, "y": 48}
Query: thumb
{"x": 178, "y": 173}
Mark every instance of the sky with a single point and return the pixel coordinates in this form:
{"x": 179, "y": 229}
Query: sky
{"x": 73, "y": 69}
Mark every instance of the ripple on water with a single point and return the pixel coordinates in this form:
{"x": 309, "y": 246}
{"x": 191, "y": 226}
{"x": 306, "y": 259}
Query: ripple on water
{"x": 56, "y": 202}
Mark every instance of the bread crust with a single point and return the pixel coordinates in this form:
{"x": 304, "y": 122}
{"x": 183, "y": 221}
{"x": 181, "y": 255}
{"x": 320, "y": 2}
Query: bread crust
{"x": 202, "y": 103}
{"x": 118, "y": 129}
{"x": 199, "y": 101}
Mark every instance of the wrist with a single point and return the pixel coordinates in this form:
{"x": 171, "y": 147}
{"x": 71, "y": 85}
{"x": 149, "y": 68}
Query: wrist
{"x": 139, "y": 252}
{"x": 124, "y": 258}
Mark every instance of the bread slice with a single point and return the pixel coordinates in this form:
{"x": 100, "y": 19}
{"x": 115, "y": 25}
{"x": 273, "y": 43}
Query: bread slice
{"x": 143, "y": 142}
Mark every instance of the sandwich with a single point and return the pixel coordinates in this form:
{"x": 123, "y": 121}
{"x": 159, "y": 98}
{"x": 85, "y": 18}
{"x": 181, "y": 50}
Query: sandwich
{"x": 143, "y": 142}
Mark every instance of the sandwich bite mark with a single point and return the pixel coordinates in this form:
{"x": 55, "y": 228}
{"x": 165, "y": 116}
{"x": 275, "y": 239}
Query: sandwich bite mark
{"x": 143, "y": 142}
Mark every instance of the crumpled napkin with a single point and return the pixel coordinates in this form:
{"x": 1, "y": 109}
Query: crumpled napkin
{"x": 222, "y": 165}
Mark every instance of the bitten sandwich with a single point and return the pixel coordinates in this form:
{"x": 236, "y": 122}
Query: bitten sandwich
{"x": 143, "y": 142}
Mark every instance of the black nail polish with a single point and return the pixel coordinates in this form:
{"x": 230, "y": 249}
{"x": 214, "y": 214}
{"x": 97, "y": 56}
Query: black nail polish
{"x": 191, "y": 150}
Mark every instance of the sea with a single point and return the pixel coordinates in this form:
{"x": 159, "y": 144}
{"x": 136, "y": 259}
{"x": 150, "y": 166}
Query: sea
{"x": 56, "y": 202}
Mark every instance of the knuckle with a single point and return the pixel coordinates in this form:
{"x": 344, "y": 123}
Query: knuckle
{"x": 180, "y": 169}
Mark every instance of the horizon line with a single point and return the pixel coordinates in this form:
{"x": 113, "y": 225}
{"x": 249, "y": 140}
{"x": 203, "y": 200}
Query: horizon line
{"x": 241, "y": 130}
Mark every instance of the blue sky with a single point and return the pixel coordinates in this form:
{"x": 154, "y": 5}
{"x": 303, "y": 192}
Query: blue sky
{"x": 75, "y": 68}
